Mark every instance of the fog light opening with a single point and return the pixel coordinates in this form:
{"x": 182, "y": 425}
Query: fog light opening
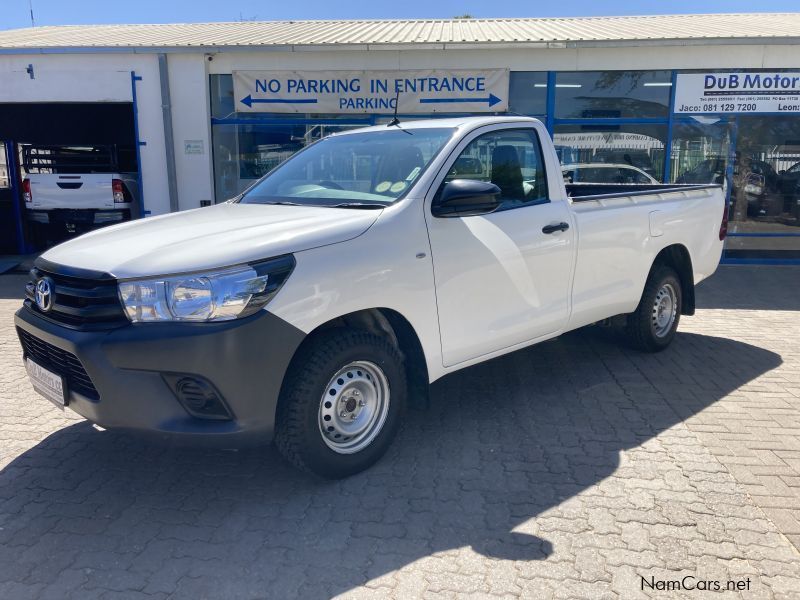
{"x": 199, "y": 397}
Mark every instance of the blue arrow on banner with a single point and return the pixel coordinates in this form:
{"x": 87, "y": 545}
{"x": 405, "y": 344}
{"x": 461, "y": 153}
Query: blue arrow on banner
{"x": 491, "y": 99}
{"x": 249, "y": 101}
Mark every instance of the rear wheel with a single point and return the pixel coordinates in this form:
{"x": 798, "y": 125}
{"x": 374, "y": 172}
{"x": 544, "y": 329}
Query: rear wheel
{"x": 342, "y": 402}
{"x": 652, "y": 326}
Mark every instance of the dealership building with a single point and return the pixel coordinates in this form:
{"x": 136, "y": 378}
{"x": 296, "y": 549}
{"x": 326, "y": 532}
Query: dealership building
{"x": 204, "y": 110}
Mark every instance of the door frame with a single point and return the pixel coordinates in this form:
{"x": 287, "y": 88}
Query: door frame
{"x": 14, "y": 180}
{"x": 556, "y": 194}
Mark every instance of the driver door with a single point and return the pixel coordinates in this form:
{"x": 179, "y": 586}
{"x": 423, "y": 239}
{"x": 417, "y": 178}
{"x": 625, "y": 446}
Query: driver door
{"x": 500, "y": 279}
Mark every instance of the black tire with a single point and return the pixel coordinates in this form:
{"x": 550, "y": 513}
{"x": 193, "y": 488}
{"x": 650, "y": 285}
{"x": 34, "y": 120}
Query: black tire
{"x": 298, "y": 435}
{"x": 642, "y": 329}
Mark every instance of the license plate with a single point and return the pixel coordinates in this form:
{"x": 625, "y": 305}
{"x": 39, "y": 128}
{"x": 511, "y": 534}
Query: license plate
{"x": 48, "y": 384}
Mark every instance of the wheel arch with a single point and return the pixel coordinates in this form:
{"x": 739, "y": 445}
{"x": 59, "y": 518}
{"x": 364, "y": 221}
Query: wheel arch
{"x": 395, "y": 327}
{"x": 678, "y": 258}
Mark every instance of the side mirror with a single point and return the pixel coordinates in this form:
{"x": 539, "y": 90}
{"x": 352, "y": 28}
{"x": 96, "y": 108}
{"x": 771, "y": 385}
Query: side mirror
{"x": 465, "y": 197}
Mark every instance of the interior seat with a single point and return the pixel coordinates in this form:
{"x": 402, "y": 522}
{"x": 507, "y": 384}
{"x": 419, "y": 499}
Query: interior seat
{"x": 507, "y": 173}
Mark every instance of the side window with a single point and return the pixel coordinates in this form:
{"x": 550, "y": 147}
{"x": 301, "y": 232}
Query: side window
{"x": 510, "y": 159}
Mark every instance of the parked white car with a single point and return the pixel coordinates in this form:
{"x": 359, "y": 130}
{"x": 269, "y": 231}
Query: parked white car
{"x": 605, "y": 173}
{"x": 313, "y": 306}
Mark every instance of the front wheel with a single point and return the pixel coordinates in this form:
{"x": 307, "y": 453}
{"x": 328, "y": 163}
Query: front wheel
{"x": 652, "y": 326}
{"x": 342, "y": 402}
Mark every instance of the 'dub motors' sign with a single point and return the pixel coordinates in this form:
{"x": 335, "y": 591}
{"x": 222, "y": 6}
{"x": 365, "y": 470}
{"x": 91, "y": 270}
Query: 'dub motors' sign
{"x": 742, "y": 92}
{"x": 483, "y": 90}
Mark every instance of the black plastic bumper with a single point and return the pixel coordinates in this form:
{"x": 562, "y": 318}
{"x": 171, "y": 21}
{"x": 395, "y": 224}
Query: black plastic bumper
{"x": 131, "y": 368}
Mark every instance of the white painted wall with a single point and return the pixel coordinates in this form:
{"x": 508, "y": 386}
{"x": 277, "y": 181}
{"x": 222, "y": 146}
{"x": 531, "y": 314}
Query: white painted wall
{"x": 98, "y": 78}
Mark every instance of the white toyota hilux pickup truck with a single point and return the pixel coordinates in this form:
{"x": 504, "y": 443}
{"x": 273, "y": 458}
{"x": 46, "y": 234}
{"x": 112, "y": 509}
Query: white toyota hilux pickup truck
{"x": 311, "y": 308}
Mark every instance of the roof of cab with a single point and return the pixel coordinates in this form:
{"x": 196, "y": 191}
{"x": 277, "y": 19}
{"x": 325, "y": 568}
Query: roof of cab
{"x": 448, "y": 122}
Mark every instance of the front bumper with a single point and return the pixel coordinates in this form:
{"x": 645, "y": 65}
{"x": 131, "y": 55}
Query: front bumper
{"x": 132, "y": 368}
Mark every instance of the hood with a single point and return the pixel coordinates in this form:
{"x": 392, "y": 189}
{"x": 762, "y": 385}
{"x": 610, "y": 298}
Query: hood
{"x": 208, "y": 238}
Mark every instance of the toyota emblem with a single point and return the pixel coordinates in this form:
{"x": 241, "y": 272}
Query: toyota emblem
{"x": 44, "y": 294}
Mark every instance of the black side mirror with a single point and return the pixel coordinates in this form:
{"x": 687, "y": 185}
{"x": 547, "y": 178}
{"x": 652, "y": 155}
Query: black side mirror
{"x": 465, "y": 197}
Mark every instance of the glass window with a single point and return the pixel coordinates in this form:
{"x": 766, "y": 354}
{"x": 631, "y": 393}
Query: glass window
{"x": 699, "y": 151}
{"x": 639, "y": 146}
{"x": 222, "y": 102}
{"x": 613, "y": 94}
{"x": 765, "y": 191}
{"x": 244, "y": 153}
{"x": 510, "y": 159}
{"x": 528, "y": 93}
{"x": 373, "y": 167}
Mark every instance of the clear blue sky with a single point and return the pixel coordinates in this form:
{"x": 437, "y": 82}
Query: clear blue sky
{"x": 15, "y": 13}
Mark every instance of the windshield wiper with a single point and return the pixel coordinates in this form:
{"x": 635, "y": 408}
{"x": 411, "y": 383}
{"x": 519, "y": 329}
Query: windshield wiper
{"x": 366, "y": 205}
{"x": 285, "y": 203}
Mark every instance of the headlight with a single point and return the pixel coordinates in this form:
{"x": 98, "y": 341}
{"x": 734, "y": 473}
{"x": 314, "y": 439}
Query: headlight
{"x": 218, "y": 295}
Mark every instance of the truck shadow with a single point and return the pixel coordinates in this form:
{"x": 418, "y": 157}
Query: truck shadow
{"x": 502, "y": 443}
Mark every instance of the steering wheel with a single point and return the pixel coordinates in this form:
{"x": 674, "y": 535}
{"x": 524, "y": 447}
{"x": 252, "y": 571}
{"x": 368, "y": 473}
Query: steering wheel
{"x": 330, "y": 185}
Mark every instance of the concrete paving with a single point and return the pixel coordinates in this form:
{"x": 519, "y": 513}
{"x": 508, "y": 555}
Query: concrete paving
{"x": 574, "y": 469}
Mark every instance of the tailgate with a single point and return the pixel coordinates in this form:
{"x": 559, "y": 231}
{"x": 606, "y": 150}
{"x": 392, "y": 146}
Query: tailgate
{"x": 52, "y": 191}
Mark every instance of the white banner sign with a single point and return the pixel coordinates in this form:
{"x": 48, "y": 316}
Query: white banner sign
{"x": 740, "y": 92}
{"x": 358, "y": 92}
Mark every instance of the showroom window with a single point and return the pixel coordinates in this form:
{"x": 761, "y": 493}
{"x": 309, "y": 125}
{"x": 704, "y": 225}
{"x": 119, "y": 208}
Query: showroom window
{"x": 527, "y": 93}
{"x": 246, "y": 146}
{"x": 640, "y": 147}
{"x": 245, "y": 152}
{"x": 765, "y": 189}
{"x": 612, "y": 94}
{"x": 699, "y": 150}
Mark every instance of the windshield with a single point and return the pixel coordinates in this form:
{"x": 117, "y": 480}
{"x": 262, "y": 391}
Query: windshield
{"x": 370, "y": 168}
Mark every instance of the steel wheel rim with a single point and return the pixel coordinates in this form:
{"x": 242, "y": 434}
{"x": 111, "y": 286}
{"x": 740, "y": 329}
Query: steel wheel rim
{"x": 665, "y": 310}
{"x": 354, "y": 407}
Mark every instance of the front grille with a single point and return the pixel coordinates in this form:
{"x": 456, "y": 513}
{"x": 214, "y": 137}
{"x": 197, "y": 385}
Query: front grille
{"x": 59, "y": 361}
{"x": 78, "y": 301}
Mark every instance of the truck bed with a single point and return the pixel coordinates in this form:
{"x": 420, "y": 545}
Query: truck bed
{"x": 579, "y": 192}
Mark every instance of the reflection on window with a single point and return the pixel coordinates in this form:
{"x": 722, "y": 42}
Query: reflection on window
{"x": 528, "y": 92}
{"x": 766, "y": 175}
{"x": 700, "y": 151}
{"x": 221, "y": 91}
{"x": 639, "y": 146}
{"x": 613, "y": 94}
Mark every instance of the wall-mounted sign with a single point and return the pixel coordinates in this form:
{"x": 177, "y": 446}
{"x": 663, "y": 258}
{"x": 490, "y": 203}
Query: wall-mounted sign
{"x": 740, "y": 92}
{"x": 193, "y": 146}
{"x": 479, "y": 90}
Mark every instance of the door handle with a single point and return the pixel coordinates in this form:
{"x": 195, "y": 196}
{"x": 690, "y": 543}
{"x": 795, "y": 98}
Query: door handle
{"x": 557, "y": 227}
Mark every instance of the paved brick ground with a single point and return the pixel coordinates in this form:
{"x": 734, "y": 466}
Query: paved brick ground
{"x": 568, "y": 470}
